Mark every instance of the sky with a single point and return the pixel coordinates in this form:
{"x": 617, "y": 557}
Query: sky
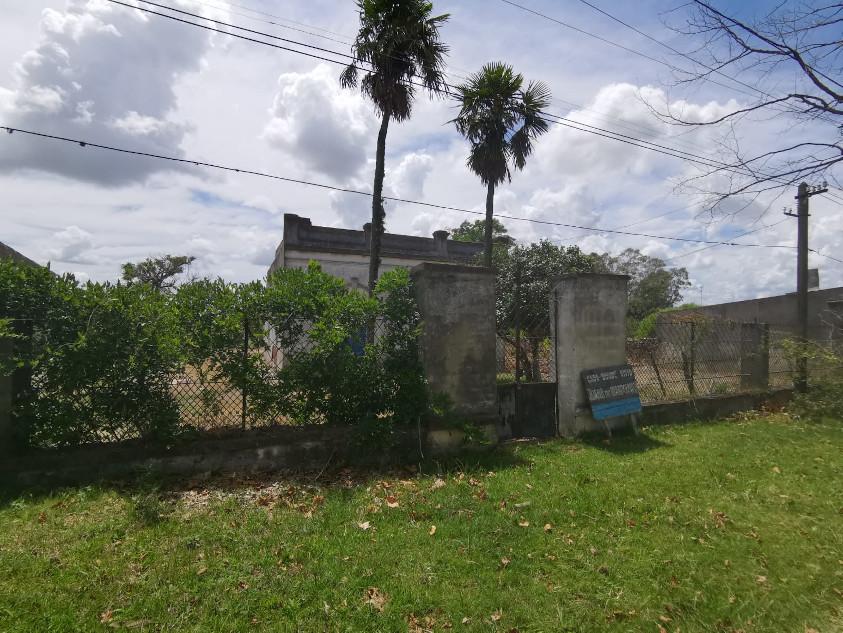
{"x": 103, "y": 73}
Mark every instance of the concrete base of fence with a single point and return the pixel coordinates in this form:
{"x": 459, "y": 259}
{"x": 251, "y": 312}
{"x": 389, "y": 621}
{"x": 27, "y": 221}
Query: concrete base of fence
{"x": 281, "y": 449}
{"x": 713, "y": 407}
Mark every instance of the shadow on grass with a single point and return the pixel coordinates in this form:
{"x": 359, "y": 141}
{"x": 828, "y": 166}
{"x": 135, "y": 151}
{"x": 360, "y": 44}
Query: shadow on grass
{"x": 624, "y": 443}
{"x": 332, "y": 476}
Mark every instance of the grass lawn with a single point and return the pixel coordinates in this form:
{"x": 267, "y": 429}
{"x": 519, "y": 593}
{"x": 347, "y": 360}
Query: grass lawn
{"x": 726, "y": 527}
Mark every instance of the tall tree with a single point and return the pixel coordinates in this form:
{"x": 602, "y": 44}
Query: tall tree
{"x": 500, "y": 120}
{"x": 397, "y": 49}
{"x": 652, "y": 285}
{"x": 158, "y": 272}
{"x": 475, "y": 232}
{"x": 526, "y": 276}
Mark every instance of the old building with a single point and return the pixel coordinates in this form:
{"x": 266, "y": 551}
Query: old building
{"x": 344, "y": 253}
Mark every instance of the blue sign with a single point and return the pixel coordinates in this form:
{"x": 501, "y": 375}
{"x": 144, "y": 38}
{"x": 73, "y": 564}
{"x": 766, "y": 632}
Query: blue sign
{"x": 612, "y": 391}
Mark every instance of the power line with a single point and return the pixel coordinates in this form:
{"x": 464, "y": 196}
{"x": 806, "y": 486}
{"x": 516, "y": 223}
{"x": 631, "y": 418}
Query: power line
{"x": 242, "y": 37}
{"x": 345, "y": 41}
{"x": 615, "y": 44}
{"x": 630, "y": 140}
{"x": 636, "y": 128}
{"x": 654, "y": 59}
{"x": 557, "y": 119}
{"x": 673, "y": 50}
{"x": 705, "y": 248}
{"x": 198, "y": 163}
{"x": 277, "y": 17}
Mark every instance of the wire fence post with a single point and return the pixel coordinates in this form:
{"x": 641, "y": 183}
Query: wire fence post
{"x": 517, "y": 320}
{"x": 689, "y": 360}
{"x": 243, "y": 389}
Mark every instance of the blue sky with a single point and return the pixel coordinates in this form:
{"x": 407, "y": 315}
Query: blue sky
{"x": 90, "y": 69}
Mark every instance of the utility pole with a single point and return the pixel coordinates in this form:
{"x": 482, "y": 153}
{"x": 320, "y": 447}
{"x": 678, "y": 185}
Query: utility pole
{"x": 803, "y": 196}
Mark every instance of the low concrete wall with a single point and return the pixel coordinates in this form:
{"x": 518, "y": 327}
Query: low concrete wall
{"x": 713, "y": 407}
{"x": 303, "y": 448}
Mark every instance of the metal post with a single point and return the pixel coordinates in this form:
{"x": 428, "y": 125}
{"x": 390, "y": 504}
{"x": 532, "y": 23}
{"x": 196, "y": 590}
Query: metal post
{"x": 802, "y": 215}
{"x": 801, "y": 381}
{"x": 517, "y": 319}
{"x": 244, "y": 404}
{"x": 693, "y": 360}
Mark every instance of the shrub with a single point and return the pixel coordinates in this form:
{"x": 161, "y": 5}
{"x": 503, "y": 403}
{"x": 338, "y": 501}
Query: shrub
{"x": 99, "y": 358}
{"x": 334, "y": 370}
{"x": 102, "y": 357}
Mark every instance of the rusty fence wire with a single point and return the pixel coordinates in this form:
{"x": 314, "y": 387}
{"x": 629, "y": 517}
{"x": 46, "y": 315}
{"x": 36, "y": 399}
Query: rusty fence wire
{"x": 682, "y": 360}
{"x": 253, "y": 394}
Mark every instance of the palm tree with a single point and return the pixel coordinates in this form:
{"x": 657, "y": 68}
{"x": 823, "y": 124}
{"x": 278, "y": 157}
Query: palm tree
{"x": 501, "y": 121}
{"x": 398, "y": 49}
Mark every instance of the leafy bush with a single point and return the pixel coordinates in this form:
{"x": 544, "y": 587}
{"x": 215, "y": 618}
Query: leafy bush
{"x": 647, "y": 326}
{"x": 102, "y": 358}
{"x": 334, "y": 370}
{"x": 99, "y": 358}
{"x": 824, "y": 399}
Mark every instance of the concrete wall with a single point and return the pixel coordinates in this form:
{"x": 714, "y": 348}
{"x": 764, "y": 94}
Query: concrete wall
{"x": 457, "y": 343}
{"x": 590, "y": 332}
{"x": 344, "y": 253}
{"x": 714, "y": 407}
{"x": 780, "y": 312}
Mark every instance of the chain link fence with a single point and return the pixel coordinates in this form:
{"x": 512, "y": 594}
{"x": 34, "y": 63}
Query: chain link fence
{"x": 683, "y": 360}
{"x": 526, "y": 349}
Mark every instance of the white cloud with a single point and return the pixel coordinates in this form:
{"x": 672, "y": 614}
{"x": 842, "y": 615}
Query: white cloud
{"x": 409, "y": 177}
{"x": 71, "y": 245}
{"x": 108, "y": 74}
{"x": 104, "y": 73}
{"x": 314, "y": 120}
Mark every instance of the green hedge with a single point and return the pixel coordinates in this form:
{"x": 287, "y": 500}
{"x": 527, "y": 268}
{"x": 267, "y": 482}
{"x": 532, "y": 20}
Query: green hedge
{"x": 103, "y": 357}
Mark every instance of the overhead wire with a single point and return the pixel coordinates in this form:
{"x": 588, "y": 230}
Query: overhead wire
{"x": 199, "y": 163}
{"x": 557, "y": 119}
{"x": 577, "y": 125}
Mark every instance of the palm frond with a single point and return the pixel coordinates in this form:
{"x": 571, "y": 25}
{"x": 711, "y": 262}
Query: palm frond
{"x": 400, "y": 40}
{"x": 499, "y": 120}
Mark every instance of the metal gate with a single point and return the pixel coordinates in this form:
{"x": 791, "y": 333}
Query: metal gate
{"x": 526, "y": 356}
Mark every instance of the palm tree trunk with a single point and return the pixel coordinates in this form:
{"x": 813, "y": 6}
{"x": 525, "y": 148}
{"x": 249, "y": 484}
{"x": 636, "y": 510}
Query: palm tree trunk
{"x": 490, "y": 210}
{"x": 377, "y": 206}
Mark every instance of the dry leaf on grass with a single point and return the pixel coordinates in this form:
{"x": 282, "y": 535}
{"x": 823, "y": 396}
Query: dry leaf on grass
{"x": 496, "y": 616}
{"x": 505, "y": 561}
{"x": 548, "y": 527}
{"x": 364, "y": 526}
{"x": 106, "y": 616}
{"x": 376, "y": 598}
{"x": 432, "y": 530}
{"x": 524, "y": 523}
{"x": 438, "y": 483}
{"x": 391, "y": 502}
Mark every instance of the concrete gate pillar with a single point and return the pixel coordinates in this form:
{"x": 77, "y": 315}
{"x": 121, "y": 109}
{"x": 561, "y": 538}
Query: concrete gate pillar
{"x": 457, "y": 342}
{"x": 590, "y": 314}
